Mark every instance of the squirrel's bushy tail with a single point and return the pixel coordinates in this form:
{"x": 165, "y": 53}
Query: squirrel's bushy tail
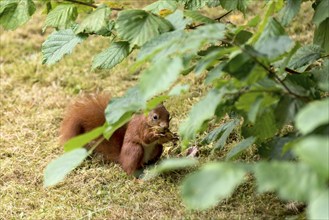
{"x": 83, "y": 115}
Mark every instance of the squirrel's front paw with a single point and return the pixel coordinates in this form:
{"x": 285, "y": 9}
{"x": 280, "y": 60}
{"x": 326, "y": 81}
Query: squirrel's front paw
{"x": 167, "y": 137}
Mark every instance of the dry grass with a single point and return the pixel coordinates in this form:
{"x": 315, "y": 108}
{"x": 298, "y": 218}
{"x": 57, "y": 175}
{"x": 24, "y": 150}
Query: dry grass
{"x": 33, "y": 98}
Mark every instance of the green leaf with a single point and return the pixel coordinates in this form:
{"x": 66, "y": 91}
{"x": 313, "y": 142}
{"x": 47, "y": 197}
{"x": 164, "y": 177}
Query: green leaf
{"x": 169, "y": 165}
{"x": 112, "y": 56}
{"x": 57, "y": 169}
{"x": 270, "y": 10}
{"x": 175, "y": 163}
{"x": 254, "y": 21}
{"x": 211, "y": 57}
{"x": 58, "y": 44}
{"x": 61, "y": 17}
{"x": 242, "y": 37}
{"x": 240, "y": 66}
{"x": 197, "y": 4}
{"x": 264, "y": 127}
{"x": 289, "y": 11}
{"x": 213, "y": 3}
{"x": 312, "y": 116}
{"x": 240, "y": 5}
{"x": 257, "y": 75}
{"x": 131, "y": 102}
{"x": 237, "y": 149}
{"x": 251, "y": 103}
{"x": 138, "y": 26}
{"x": 193, "y": 41}
{"x": 275, "y": 46}
{"x": 83, "y": 139}
{"x": 206, "y": 62}
{"x": 302, "y": 85}
{"x": 321, "y": 12}
{"x": 254, "y": 109}
{"x": 194, "y": 4}
{"x": 160, "y": 5}
{"x": 157, "y": 44}
{"x": 96, "y": 22}
{"x": 214, "y": 134}
{"x": 273, "y": 42}
{"x": 178, "y": 20}
{"x": 81, "y": 8}
{"x": 189, "y": 69}
{"x": 151, "y": 104}
{"x": 215, "y": 73}
{"x": 111, "y": 128}
{"x": 292, "y": 181}
{"x": 314, "y": 150}
{"x": 198, "y": 17}
{"x": 247, "y": 101}
{"x": 321, "y": 35}
{"x": 14, "y": 13}
{"x": 283, "y": 63}
{"x": 210, "y": 32}
{"x": 199, "y": 115}
{"x": 229, "y": 127}
{"x": 179, "y": 42}
{"x": 286, "y": 110}
{"x": 207, "y": 187}
{"x": 321, "y": 76}
{"x": 179, "y": 89}
{"x": 275, "y": 149}
{"x": 318, "y": 207}
{"x": 304, "y": 57}
{"x": 160, "y": 76}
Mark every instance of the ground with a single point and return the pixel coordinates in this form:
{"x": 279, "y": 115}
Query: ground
{"x": 33, "y": 98}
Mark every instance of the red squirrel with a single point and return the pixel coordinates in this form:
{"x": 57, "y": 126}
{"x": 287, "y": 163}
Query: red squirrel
{"x": 135, "y": 144}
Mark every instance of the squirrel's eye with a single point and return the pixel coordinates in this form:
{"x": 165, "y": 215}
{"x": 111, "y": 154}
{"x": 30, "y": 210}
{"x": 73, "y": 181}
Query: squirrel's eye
{"x": 155, "y": 117}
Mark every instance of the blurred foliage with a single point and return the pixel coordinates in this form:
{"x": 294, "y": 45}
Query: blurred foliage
{"x": 256, "y": 73}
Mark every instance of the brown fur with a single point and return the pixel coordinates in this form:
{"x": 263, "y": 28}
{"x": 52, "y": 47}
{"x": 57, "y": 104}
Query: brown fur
{"x": 135, "y": 144}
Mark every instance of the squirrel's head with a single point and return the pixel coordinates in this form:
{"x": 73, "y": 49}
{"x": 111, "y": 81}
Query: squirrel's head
{"x": 159, "y": 118}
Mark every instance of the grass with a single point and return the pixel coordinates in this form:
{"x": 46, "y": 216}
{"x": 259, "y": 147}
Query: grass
{"x": 33, "y": 98}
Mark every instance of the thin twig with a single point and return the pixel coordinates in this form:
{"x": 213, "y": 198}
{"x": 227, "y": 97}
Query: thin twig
{"x": 82, "y": 3}
{"x": 291, "y": 71}
{"x": 222, "y": 16}
{"x": 217, "y": 19}
{"x": 90, "y": 4}
{"x": 270, "y": 71}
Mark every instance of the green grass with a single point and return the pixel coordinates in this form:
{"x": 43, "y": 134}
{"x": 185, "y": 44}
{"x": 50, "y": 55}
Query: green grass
{"x": 33, "y": 98}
